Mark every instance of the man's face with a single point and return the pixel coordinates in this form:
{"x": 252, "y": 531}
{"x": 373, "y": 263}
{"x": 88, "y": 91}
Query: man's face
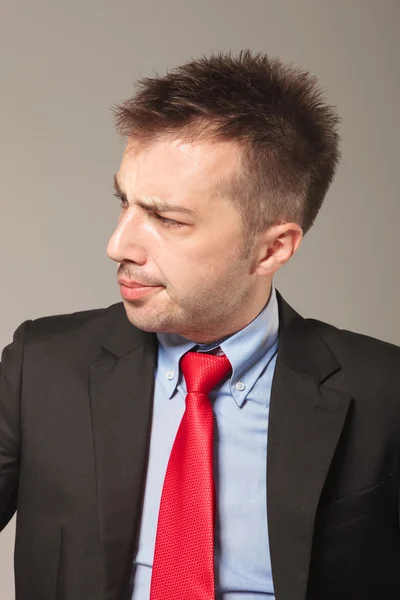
{"x": 207, "y": 292}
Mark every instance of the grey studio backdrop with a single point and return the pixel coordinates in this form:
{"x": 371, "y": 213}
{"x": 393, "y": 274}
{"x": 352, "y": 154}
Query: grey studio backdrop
{"x": 64, "y": 63}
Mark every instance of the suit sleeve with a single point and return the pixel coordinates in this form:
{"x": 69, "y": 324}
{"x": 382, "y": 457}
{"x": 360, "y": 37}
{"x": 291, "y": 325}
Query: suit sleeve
{"x": 10, "y": 429}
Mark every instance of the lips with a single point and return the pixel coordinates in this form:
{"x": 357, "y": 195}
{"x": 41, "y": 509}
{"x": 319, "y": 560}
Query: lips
{"x": 133, "y": 284}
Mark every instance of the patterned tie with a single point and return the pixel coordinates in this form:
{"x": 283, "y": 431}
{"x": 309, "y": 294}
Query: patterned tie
{"x": 183, "y": 566}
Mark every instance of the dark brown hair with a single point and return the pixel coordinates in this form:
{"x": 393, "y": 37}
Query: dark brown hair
{"x": 275, "y": 112}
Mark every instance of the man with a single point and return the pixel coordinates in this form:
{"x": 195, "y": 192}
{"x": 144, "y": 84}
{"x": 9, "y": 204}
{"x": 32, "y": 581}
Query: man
{"x": 201, "y": 439}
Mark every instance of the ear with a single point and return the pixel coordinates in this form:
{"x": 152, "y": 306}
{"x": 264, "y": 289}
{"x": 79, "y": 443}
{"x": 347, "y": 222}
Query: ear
{"x": 277, "y": 246}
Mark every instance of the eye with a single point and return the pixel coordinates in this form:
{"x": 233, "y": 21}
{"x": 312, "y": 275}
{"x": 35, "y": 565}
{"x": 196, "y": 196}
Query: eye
{"x": 167, "y": 222}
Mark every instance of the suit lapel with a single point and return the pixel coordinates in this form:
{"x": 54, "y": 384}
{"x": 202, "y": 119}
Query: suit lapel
{"x": 305, "y": 423}
{"x": 121, "y": 392}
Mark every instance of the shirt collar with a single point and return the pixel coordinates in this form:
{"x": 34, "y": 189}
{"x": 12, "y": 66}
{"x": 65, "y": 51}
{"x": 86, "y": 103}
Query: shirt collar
{"x": 249, "y": 350}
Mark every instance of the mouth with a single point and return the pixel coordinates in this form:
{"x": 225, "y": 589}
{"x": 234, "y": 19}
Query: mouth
{"x": 133, "y": 284}
{"x": 134, "y": 291}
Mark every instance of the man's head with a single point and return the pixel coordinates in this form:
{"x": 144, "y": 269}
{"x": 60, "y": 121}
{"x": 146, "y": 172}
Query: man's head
{"x": 246, "y": 144}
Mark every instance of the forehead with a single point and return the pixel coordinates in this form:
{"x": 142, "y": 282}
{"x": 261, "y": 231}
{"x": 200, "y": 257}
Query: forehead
{"x": 174, "y": 164}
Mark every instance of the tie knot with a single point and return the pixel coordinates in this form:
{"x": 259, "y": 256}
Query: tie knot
{"x": 202, "y": 372}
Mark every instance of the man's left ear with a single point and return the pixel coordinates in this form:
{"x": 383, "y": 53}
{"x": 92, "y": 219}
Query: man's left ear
{"x": 280, "y": 243}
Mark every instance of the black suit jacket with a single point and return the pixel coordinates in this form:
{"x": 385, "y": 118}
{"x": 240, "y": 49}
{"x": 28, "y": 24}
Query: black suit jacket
{"x": 75, "y": 414}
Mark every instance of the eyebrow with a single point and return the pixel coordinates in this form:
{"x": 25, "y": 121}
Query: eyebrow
{"x": 156, "y": 205}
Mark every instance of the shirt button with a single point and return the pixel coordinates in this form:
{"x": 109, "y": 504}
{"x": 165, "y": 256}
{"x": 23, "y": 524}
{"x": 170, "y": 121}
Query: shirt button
{"x": 170, "y": 374}
{"x": 240, "y": 386}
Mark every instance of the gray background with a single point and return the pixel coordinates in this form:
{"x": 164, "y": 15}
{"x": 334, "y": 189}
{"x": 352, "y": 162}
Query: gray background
{"x": 64, "y": 63}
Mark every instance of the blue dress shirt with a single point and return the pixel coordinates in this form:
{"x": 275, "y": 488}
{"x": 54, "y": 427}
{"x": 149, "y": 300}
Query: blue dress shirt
{"x": 241, "y": 409}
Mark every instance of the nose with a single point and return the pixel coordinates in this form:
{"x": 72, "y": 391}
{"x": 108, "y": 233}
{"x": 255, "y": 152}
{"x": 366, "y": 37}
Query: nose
{"x": 123, "y": 244}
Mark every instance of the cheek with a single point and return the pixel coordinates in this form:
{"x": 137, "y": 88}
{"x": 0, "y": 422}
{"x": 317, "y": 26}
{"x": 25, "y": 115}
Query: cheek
{"x": 195, "y": 260}
{"x": 180, "y": 266}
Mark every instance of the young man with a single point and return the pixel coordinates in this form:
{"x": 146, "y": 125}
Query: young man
{"x": 201, "y": 440}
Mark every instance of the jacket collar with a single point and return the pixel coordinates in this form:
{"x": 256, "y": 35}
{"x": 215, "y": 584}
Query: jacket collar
{"x": 295, "y": 334}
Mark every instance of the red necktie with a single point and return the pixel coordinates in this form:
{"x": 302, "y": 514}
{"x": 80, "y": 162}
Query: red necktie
{"x": 183, "y": 566}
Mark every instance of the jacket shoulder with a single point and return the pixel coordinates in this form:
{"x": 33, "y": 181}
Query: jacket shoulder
{"x": 66, "y": 321}
{"x": 73, "y": 330}
{"x": 358, "y": 348}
